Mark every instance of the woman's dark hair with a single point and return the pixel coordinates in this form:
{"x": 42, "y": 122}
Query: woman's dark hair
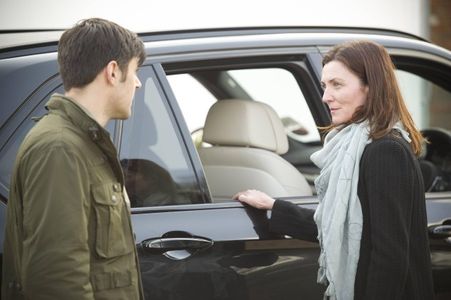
{"x": 85, "y": 49}
{"x": 385, "y": 105}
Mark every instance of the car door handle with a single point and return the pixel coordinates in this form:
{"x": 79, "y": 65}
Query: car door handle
{"x": 175, "y": 245}
{"x": 161, "y": 245}
{"x": 165, "y": 244}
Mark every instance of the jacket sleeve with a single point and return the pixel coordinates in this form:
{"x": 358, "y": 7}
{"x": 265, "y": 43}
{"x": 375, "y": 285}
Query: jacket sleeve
{"x": 55, "y": 262}
{"x": 389, "y": 179}
{"x": 290, "y": 219}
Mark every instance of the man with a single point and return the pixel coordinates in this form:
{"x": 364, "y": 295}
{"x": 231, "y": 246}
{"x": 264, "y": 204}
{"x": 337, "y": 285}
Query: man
{"x": 68, "y": 231}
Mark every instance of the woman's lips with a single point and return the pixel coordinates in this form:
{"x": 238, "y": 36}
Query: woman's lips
{"x": 333, "y": 110}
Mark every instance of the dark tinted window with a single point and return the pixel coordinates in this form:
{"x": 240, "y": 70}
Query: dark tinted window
{"x": 157, "y": 168}
{"x": 430, "y": 106}
{"x": 9, "y": 151}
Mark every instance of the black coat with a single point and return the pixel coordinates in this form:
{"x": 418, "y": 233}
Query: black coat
{"x": 394, "y": 260}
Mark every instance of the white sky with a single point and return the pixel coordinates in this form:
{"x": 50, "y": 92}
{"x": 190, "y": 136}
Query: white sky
{"x": 150, "y": 15}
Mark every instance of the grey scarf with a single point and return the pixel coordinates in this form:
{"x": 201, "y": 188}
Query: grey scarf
{"x": 339, "y": 214}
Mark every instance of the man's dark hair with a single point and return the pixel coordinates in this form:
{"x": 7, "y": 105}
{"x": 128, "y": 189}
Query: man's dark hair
{"x": 85, "y": 49}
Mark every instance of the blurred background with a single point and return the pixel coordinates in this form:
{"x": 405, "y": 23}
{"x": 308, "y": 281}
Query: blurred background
{"x": 430, "y": 19}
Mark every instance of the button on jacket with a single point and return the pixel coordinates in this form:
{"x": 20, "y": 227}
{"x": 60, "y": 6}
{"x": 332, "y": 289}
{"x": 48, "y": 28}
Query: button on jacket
{"x": 68, "y": 233}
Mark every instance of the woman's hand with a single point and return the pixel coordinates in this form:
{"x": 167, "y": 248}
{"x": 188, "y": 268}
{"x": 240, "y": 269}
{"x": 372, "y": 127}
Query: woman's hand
{"x": 255, "y": 198}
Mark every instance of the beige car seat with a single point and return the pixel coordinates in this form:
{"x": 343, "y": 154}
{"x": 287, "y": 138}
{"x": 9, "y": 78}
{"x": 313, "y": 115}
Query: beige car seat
{"x": 247, "y": 138}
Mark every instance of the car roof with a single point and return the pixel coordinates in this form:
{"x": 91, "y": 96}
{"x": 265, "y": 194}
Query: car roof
{"x": 19, "y": 38}
{"x": 22, "y": 38}
{"x": 179, "y": 41}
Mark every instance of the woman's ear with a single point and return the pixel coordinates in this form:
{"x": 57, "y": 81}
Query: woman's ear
{"x": 366, "y": 89}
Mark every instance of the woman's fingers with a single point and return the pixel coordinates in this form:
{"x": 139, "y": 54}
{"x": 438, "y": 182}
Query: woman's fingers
{"x": 255, "y": 198}
{"x": 242, "y": 193}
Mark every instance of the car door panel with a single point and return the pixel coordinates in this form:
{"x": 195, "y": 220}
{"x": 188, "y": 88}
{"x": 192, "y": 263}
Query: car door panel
{"x": 243, "y": 261}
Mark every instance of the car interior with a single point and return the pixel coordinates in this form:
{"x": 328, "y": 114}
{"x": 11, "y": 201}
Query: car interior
{"x": 247, "y": 139}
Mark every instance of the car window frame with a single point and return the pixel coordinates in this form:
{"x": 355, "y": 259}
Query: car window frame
{"x": 23, "y": 114}
{"x": 433, "y": 70}
{"x": 160, "y": 81}
{"x": 437, "y": 71}
{"x": 299, "y": 64}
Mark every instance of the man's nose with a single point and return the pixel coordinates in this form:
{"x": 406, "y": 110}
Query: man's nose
{"x": 137, "y": 82}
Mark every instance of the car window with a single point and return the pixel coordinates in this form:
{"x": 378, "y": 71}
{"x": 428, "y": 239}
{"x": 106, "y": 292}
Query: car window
{"x": 187, "y": 89}
{"x": 276, "y": 87}
{"x": 429, "y": 104}
{"x": 430, "y": 107}
{"x": 9, "y": 152}
{"x": 156, "y": 166}
{"x": 197, "y": 91}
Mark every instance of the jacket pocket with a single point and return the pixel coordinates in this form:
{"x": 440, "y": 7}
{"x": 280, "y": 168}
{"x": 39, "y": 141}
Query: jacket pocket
{"x": 113, "y": 236}
{"x": 104, "y": 281}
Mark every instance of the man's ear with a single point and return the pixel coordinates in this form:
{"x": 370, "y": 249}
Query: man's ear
{"x": 112, "y": 72}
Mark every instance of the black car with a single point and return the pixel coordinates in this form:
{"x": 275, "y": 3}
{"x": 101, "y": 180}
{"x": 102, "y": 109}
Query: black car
{"x": 194, "y": 241}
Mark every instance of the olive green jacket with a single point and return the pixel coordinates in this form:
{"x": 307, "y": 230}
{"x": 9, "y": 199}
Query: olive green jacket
{"x": 68, "y": 232}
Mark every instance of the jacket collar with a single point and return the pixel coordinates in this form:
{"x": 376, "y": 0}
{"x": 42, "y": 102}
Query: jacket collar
{"x": 80, "y": 117}
{"x": 70, "y": 110}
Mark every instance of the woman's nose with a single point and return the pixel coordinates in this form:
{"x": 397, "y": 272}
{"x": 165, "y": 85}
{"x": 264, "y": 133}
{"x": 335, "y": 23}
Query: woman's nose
{"x": 326, "y": 96}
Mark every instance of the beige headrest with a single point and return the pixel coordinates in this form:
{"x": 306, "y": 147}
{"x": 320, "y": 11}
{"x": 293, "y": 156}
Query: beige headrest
{"x": 247, "y": 123}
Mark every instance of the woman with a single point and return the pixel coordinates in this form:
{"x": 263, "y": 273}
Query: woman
{"x": 371, "y": 218}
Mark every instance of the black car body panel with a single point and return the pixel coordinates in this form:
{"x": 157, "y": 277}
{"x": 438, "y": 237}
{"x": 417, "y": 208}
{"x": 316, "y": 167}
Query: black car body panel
{"x": 244, "y": 260}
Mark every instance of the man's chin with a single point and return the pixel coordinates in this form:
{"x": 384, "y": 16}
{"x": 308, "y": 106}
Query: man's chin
{"x": 122, "y": 116}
